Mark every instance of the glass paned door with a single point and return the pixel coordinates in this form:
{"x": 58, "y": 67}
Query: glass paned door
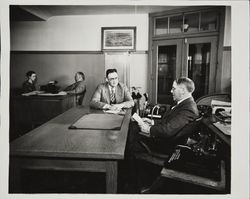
{"x": 166, "y": 67}
{"x": 198, "y": 67}
{"x": 201, "y": 62}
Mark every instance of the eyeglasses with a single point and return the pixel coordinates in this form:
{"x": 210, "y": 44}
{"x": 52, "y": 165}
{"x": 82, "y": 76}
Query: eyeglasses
{"x": 112, "y": 79}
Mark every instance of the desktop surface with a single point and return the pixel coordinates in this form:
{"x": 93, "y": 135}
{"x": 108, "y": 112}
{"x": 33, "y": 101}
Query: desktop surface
{"x": 55, "y": 139}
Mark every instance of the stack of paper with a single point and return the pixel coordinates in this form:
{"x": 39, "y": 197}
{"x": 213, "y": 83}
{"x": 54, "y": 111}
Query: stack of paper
{"x": 137, "y": 118}
{"x": 220, "y": 103}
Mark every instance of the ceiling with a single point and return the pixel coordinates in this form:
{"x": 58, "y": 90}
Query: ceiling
{"x": 34, "y": 13}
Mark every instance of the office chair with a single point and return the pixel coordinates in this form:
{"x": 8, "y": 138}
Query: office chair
{"x": 80, "y": 97}
{"x": 159, "y": 159}
{"x": 180, "y": 138}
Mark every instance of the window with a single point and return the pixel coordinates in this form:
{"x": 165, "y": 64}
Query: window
{"x": 189, "y": 22}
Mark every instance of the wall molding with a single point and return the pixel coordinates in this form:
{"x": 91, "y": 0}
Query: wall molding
{"x": 68, "y": 52}
{"x": 53, "y": 52}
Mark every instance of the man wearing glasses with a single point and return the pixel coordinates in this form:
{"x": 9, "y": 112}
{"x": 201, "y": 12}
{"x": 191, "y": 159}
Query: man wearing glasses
{"x": 112, "y": 94}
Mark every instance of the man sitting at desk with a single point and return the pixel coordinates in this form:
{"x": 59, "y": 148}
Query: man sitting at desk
{"x": 159, "y": 136}
{"x": 112, "y": 94}
{"x": 184, "y": 112}
{"x": 78, "y": 88}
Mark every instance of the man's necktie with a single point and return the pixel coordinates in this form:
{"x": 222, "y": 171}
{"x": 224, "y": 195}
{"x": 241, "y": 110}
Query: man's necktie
{"x": 112, "y": 96}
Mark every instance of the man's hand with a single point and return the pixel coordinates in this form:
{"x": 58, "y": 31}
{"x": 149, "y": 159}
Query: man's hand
{"x": 116, "y": 107}
{"x": 145, "y": 128}
{"x": 148, "y": 121}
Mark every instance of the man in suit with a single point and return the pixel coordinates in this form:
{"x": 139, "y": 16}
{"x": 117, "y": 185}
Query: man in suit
{"x": 112, "y": 94}
{"x": 161, "y": 135}
{"x": 78, "y": 88}
{"x": 166, "y": 130}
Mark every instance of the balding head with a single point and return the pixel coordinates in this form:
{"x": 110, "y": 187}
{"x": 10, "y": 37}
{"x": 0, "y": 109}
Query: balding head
{"x": 183, "y": 87}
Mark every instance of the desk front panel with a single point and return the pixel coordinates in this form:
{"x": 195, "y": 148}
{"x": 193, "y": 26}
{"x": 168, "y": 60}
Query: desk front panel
{"x": 32, "y": 111}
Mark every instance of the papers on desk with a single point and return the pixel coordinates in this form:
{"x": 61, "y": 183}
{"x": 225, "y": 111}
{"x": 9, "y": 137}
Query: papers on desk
{"x": 32, "y": 93}
{"x": 121, "y": 112}
{"x": 220, "y": 103}
{"x": 217, "y": 104}
{"x": 42, "y": 93}
{"x": 53, "y": 94}
{"x": 137, "y": 118}
{"x": 225, "y": 128}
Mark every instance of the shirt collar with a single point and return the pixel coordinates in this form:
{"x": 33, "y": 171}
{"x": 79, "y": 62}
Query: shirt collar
{"x": 111, "y": 88}
{"x": 183, "y": 99}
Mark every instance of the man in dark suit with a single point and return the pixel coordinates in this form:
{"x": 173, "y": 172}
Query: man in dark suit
{"x": 112, "y": 94}
{"x": 78, "y": 88}
{"x": 161, "y": 135}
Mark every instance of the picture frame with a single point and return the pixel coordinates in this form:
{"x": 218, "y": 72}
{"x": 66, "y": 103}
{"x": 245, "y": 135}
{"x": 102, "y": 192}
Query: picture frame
{"x": 119, "y": 38}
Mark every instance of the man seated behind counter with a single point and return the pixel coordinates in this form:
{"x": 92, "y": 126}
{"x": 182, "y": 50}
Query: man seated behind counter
{"x": 112, "y": 94}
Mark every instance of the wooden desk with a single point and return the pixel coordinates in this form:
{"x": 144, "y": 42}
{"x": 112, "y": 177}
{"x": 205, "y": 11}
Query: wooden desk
{"x": 225, "y": 138}
{"x": 27, "y": 112}
{"x": 225, "y": 150}
{"x": 53, "y": 146}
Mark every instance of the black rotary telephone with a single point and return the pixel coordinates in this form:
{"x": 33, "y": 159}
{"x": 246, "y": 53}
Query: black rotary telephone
{"x": 204, "y": 110}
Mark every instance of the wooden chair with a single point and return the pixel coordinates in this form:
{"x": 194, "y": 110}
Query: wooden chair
{"x": 159, "y": 159}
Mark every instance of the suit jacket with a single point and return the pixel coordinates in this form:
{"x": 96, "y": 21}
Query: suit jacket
{"x": 101, "y": 96}
{"x": 78, "y": 88}
{"x": 175, "y": 119}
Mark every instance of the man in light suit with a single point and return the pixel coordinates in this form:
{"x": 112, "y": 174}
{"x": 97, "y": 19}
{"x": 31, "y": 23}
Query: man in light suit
{"x": 112, "y": 94}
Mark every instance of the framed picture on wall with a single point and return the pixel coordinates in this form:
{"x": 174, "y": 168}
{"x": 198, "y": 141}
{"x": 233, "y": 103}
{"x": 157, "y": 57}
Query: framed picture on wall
{"x": 118, "y": 38}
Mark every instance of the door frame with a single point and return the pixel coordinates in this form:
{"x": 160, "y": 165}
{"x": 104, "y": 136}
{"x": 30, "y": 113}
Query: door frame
{"x": 213, "y": 58}
{"x": 179, "y": 58}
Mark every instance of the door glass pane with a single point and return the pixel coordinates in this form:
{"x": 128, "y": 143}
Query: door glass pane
{"x": 209, "y": 20}
{"x": 191, "y": 22}
{"x": 199, "y": 66}
{"x": 161, "y": 26}
{"x": 176, "y": 24}
{"x": 166, "y": 72}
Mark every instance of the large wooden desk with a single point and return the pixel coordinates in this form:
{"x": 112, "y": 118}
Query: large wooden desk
{"x": 225, "y": 149}
{"x": 54, "y": 146}
{"x": 27, "y": 112}
{"x": 225, "y": 138}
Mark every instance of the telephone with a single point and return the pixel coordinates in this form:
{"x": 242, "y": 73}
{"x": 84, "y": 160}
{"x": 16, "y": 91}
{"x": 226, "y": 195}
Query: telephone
{"x": 222, "y": 115}
{"x": 204, "y": 110}
{"x": 50, "y": 87}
